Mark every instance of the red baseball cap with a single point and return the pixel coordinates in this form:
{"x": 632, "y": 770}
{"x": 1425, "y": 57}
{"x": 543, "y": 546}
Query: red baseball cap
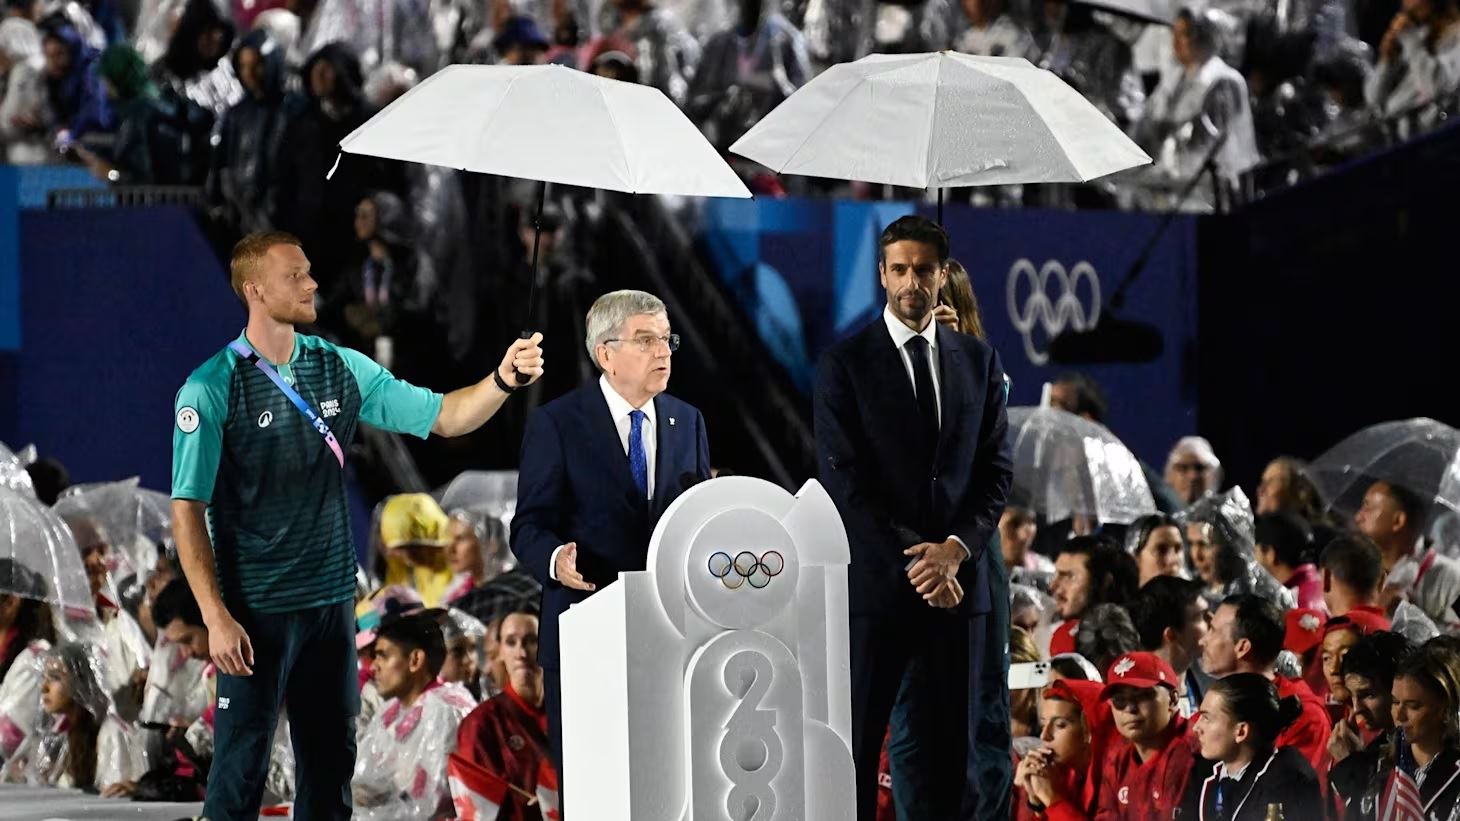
{"x": 1304, "y": 629}
{"x": 1145, "y": 670}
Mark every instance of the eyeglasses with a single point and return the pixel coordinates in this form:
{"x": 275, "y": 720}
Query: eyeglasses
{"x": 648, "y": 343}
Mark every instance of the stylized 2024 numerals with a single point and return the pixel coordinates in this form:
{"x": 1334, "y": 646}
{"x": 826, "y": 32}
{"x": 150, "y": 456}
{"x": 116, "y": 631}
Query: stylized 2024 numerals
{"x": 751, "y": 753}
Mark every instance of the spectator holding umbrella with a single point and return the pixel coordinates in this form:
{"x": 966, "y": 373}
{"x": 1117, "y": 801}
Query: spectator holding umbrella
{"x": 1394, "y": 517}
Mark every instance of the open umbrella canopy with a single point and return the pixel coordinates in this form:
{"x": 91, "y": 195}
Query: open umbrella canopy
{"x": 1419, "y": 455}
{"x": 1066, "y": 465}
{"x": 552, "y": 124}
{"x": 132, "y": 519}
{"x": 33, "y": 537}
{"x": 940, "y": 120}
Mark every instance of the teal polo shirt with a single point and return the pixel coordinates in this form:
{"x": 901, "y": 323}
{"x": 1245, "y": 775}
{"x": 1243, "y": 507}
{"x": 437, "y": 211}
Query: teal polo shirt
{"x": 275, "y": 492}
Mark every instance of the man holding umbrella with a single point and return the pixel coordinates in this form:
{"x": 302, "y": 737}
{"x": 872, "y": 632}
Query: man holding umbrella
{"x": 258, "y": 445}
{"x": 911, "y": 443}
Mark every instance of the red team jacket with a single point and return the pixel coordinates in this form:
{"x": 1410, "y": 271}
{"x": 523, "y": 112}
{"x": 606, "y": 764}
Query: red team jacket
{"x": 507, "y": 737}
{"x": 1310, "y": 732}
{"x": 1132, "y": 790}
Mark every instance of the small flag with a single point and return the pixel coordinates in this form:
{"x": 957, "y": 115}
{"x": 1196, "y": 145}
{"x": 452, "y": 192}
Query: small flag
{"x": 1400, "y": 799}
{"x": 476, "y": 794}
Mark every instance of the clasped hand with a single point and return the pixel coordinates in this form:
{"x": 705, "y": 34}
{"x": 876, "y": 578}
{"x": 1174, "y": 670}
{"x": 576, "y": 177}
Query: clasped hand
{"x": 934, "y": 573}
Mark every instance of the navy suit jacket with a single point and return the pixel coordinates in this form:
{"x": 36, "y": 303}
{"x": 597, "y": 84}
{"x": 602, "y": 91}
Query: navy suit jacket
{"x": 889, "y": 496}
{"x": 574, "y": 485}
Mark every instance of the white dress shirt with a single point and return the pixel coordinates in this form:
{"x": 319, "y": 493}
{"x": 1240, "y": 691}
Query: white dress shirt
{"x": 619, "y": 408}
{"x": 901, "y": 335}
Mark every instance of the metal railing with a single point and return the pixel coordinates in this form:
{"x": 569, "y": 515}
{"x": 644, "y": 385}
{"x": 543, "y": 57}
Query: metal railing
{"x": 126, "y": 196}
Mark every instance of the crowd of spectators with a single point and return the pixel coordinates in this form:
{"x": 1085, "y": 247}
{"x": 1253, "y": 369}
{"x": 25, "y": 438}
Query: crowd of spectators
{"x": 251, "y": 99}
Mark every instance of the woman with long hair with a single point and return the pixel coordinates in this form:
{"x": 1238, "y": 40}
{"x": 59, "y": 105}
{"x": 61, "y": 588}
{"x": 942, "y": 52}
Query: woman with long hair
{"x": 83, "y": 745}
{"x": 1059, "y": 779}
{"x": 1241, "y": 717}
{"x": 957, "y": 305}
{"x": 1426, "y": 711}
{"x": 26, "y": 635}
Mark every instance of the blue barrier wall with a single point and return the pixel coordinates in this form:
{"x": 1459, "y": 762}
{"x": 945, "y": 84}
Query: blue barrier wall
{"x": 118, "y": 306}
{"x": 24, "y": 188}
{"x": 805, "y": 272}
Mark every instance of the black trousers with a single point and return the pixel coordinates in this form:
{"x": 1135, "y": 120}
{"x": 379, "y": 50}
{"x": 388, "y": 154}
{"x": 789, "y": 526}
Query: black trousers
{"x": 931, "y": 649}
{"x": 305, "y": 659}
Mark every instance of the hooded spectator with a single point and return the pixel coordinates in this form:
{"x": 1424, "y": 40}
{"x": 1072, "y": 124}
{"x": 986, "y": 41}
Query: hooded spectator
{"x": 195, "y": 66}
{"x": 241, "y": 179}
{"x": 322, "y": 213}
{"x": 992, "y": 32}
{"x": 141, "y": 152}
{"x": 73, "y": 87}
{"x": 1193, "y": 469}
{"x": 1203, "y": 100}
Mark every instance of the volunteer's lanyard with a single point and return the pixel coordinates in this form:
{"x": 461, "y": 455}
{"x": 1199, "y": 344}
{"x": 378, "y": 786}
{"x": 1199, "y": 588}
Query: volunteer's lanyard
{"x": 317, "y": 422}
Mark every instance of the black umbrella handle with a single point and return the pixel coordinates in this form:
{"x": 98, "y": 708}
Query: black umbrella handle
{"x": 521, "y": 377}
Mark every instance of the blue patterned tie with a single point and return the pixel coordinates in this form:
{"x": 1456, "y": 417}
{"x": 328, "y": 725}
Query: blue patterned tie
{"x": 638, "y": 461}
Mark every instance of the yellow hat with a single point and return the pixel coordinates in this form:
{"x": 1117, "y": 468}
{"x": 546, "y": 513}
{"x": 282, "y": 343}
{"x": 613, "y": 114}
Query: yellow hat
{"x": 413, "y": 518}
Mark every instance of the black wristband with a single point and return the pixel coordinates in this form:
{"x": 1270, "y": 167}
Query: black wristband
{"x": 502, "y": 384}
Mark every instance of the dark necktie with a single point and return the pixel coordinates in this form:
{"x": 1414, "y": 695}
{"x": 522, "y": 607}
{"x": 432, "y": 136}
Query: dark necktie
{"x": 917, "y": 349}
{"x": 638, "y": 459}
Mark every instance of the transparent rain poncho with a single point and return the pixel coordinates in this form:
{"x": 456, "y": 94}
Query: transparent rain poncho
{"x": 42, "y": 759}
{"x": 485, "y": 501}
{"x": 177, "y": 691}
{"x": 1229, "y": 515}
{"x": 1420, "y": 455}
{"x": 1066, "y": 466}
{"x": 400, "y": 770}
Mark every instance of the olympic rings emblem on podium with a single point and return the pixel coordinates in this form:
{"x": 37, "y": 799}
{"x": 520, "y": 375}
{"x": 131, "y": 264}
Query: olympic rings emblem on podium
{"x": 746, "y": 567}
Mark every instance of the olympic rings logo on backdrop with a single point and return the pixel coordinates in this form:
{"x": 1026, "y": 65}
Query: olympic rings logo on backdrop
{"x": 1049, "y": 313}
{"x": 746, "y": 567}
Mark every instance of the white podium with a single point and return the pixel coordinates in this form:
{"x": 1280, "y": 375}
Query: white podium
{"x": 715, "y": 684}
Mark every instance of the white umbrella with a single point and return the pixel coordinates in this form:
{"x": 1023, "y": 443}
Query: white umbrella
{"x": 939, "y": 120}
{"x": 551, "y": 124}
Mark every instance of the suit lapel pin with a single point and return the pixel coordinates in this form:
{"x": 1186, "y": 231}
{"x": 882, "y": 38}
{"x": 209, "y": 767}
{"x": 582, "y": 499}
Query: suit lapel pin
{"x": 671, "y": 421}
